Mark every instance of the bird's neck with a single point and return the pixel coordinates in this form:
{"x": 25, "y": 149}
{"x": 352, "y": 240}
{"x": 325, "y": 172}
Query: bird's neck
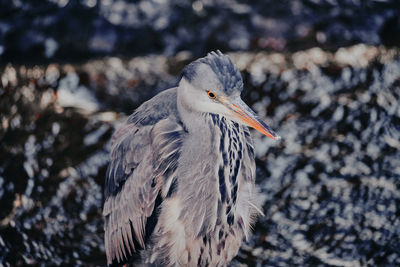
{"x": 192, "y": 119}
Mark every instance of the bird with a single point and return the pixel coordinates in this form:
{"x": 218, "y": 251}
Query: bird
{"x": 180, "y": 185}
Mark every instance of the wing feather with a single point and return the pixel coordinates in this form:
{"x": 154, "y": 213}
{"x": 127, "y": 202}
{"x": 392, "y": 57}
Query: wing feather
{"x": 143, "y": 158}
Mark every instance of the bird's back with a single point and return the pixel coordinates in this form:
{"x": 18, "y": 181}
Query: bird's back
{"x": 161, "y": 106}
{"x": 144, "y": 154}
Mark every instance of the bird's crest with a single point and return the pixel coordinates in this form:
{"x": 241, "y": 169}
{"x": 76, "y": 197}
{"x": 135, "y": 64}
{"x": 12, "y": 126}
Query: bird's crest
{"x": 222, "y": 66}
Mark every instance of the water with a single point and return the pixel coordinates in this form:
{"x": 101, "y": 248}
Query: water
{"x": 330, "y": 188}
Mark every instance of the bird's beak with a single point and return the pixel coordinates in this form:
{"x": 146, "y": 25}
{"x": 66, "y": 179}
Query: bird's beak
{"x": 250, "y": 118}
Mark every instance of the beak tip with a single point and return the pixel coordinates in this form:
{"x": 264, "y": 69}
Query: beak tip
{"x": 278, "y": 138}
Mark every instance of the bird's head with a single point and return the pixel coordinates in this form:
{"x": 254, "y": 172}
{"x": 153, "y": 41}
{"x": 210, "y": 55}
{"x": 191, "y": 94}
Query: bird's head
{"x": 213, "y": 85}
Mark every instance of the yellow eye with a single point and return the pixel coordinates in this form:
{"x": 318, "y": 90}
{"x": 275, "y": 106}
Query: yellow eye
{"x": 211, "y": 95}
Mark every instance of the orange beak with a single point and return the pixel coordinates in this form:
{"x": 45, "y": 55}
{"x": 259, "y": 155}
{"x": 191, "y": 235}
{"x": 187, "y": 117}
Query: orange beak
{"x": 250, "y": 118}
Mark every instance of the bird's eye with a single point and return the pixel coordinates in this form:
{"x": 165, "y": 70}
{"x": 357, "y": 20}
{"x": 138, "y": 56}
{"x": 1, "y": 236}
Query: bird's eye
{"x": 211, "y": 95}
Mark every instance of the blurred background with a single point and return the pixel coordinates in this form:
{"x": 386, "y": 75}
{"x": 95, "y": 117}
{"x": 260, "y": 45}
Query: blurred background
{"x": 324, "y": 73}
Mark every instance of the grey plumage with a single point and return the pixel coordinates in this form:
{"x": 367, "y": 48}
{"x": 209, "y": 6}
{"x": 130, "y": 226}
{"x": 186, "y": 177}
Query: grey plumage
{"x": 227, "y": 74}
{"x": 180, "y": 185}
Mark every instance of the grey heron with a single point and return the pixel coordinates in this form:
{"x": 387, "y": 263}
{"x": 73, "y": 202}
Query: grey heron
{"x": 180, "y": 186}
